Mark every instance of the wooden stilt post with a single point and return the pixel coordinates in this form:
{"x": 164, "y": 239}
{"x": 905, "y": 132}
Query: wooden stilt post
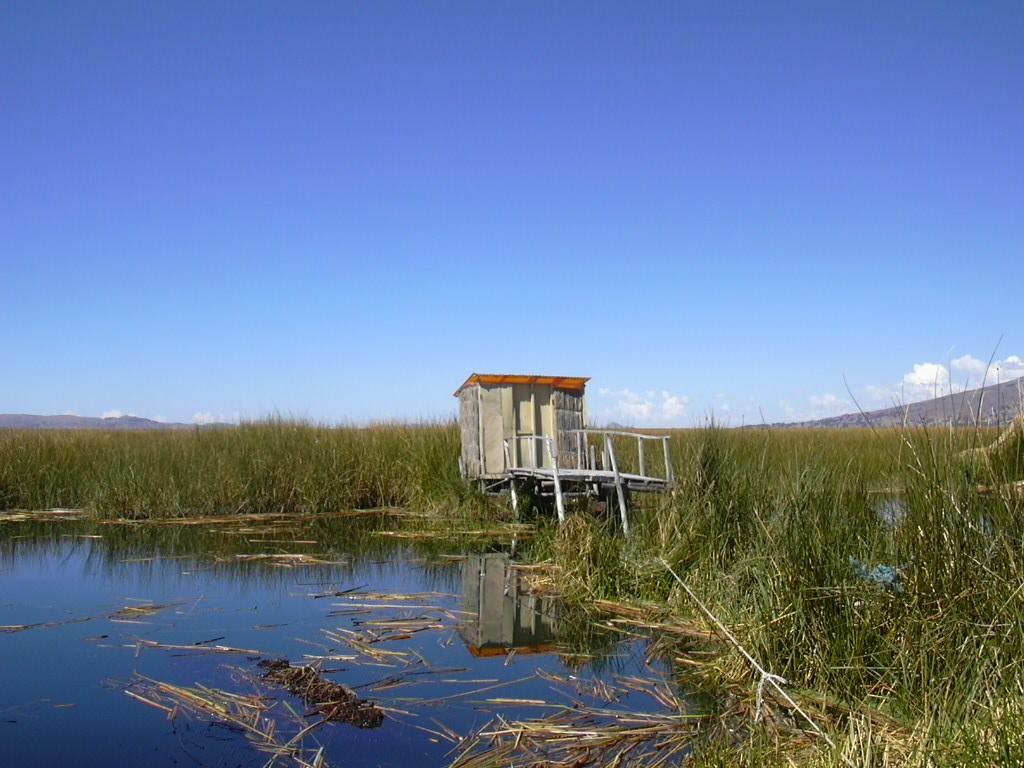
{"x": 623, "y": 513}
{"x": 669, "y": 471}
{"x": 559, "y": 501}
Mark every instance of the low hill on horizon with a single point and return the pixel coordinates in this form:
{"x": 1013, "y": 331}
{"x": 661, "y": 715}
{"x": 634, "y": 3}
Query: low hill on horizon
{"x": 992, "y": 406}
{"x": 119, "y": 423}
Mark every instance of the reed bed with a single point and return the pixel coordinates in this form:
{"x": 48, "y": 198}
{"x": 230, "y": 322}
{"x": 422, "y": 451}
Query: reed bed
{"x": 880, "y": 571}
{"x": 272, "y": 467}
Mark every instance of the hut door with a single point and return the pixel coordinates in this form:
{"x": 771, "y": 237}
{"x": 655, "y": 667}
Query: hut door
{"x": 493, "y": 447}
{"x": 532, "y": 413}
{"x": 523, "y": 413}
{"x": 543, "y": 421}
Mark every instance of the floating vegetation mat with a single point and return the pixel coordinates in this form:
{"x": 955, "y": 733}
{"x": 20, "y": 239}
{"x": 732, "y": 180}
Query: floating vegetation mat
{"x": 648, "y": 620}
{"x": 270, "y": 726}
{"x": 500, "y": 531}
{"x": 336, "y": 702}
{"x": 131, "y": 614}
{"x": 585, "y": 734}
{"x": 284, "y": 559}
{"x": 262, "y": 519}
{"x": 573, "y": 738}
{"x": 40, "y": 515}
{"x": 9, "y": 629}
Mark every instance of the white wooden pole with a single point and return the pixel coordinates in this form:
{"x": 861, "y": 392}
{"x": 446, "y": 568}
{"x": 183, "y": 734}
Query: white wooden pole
{"x": 559, "y": 502}
{"x": 623, "y": 514}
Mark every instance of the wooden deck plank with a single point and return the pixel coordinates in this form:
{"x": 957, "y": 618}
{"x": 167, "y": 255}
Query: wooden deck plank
{"x": 603, "y": 477}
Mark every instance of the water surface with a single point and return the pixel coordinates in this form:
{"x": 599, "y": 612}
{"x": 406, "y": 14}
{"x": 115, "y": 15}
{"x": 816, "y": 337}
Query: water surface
{"x": 442, "y": 636}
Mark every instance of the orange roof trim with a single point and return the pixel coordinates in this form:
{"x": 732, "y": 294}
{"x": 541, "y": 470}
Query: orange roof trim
{"x": 566, "y": 383}
{"x": 485, "y": 651}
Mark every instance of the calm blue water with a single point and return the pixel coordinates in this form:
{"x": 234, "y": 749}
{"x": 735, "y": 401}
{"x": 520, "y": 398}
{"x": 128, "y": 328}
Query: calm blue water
{"x": 472, "y": 639}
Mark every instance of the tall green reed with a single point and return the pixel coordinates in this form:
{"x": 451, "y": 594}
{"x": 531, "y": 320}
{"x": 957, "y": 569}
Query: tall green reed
{"x": 862, "y": 564}
{"x": 273, "y": 466}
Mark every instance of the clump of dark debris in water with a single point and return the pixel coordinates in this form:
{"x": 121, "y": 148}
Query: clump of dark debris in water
{"x": 334, "y": 701}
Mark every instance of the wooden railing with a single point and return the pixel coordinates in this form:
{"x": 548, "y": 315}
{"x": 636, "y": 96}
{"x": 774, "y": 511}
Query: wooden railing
{"x": 587, "y": 458}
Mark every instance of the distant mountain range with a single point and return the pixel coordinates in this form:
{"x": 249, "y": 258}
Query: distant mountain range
{"x": 991, "y": 406}
{"x": 120, "y": 423}
{"x": 995, "y": 405}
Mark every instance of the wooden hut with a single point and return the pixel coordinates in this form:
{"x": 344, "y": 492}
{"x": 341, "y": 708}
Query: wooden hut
{"x": 506, "y": 420}
{"x": 530, "y": 432}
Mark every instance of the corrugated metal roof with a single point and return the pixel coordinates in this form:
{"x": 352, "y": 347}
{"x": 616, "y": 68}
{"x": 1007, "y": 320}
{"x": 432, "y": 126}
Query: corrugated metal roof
{"x": 567, "y": 383}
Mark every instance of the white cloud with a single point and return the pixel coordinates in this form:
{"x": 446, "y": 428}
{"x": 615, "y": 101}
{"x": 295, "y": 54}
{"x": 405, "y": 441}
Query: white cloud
{"x": 978, "y": 371}
{"x": 634, "y": 406}
{"x": 115, "y": 414}
{"x": 928, "y": 380}
{"x": 207, "y": 417}
{"x": 829, "y": 405}
{"x": 817, "y": 407}
{"x": 652, "y": 408}
{"x": 672, "y": 406}
{"x": 875, "y": 392}
{"x": 970, "y": 365}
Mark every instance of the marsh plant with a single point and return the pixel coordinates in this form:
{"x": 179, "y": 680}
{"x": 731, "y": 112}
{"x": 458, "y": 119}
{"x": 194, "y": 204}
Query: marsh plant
{"x": 881, "y": 573}
{"x": 266, "y": 467}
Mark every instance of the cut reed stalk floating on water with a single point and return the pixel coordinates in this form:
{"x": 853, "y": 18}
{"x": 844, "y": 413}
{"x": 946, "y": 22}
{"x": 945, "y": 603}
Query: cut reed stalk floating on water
{"x": 254, "y": 715}
{"x": 12, "y": 628}
{"x": 130, "y": 613}
{"x": 140, "y": 643}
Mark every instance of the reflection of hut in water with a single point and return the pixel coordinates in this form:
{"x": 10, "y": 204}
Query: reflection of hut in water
{"x": 503, "y": 619}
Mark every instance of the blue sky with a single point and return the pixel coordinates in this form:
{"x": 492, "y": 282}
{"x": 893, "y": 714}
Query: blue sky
{"x": 337, "y": 211}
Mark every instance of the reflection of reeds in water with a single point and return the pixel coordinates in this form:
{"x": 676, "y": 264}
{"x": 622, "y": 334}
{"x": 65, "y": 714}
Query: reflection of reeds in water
{"x": 254, "y": 549}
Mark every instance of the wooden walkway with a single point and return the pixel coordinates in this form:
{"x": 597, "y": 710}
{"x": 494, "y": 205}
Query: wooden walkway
{"x": 589, "y": 472}
{"x": 594, "y": 477}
